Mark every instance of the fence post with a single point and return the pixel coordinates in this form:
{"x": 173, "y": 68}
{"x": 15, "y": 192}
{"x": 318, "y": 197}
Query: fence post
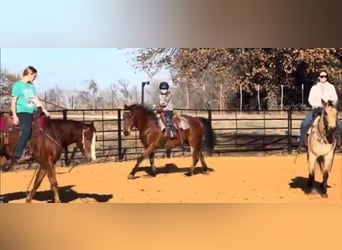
{"x": 289, "y": 130}
{"x": 120, "y": 155}
{"x": 65, "y": 117}
{"x": 65, "y": 114}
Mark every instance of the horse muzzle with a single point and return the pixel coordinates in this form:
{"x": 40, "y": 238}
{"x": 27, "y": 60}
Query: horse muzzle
{"x": 331, "y": 135}
{"x": 126, "y": 132}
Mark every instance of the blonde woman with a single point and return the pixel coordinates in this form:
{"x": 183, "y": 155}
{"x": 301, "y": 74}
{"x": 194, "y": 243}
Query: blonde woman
{"x": 23, "y": 104}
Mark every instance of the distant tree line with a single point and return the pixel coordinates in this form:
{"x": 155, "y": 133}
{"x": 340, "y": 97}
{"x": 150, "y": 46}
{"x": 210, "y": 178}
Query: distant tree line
{"x": 199, "y": 75}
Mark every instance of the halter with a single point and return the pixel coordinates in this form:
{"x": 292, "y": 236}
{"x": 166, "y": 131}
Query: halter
{"x": 131, "y": 114}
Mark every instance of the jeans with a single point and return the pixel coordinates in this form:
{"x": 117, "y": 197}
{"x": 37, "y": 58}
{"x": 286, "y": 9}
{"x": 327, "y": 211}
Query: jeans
{"x": 306, "y": 123}
{"x": 168, "y": 120}
{"x": 304, "y": 127}
{"x": 25, "y": 123}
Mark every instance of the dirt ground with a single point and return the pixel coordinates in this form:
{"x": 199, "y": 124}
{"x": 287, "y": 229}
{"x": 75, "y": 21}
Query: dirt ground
{"x": 251, "y": 179}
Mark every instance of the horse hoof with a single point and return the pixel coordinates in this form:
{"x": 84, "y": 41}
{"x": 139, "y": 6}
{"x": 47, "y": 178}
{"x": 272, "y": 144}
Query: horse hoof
{"x": 205, "y": 171}
{"x": 189, "y": 174}
{"x": 6, "y": 169}
{"x": 130, "y": 177}
{"x": 324, "y": 195}
{"x": 308, "y": 190}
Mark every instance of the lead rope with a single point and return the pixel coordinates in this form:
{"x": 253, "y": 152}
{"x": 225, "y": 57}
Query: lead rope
{"x": 34, "y": 174}
{"x": 35, "y": 171}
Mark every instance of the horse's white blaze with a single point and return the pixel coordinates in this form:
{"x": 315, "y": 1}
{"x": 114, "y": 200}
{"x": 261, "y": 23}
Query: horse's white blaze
{"x": 83, "y": 144}
{"x": 93, "y": 143}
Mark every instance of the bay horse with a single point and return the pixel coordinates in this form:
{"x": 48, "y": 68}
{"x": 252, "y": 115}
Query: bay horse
{"x": 322, "y": 138}
{"x": 70, "y": 132}
{"x": 47, "y": 146}
{"x": 191, "y": 131}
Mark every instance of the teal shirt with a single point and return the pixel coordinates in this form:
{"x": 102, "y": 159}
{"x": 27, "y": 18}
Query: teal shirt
{"x": 25, "y": 93}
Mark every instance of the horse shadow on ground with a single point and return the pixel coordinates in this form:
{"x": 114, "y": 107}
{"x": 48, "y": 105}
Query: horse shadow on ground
{"x": 171, "y": 168}
{"x": 66, "y": 193}
{"x": 302, "y": 183}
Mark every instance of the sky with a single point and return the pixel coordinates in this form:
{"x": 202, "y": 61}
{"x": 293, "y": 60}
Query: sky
{"x": 72, "y": 68}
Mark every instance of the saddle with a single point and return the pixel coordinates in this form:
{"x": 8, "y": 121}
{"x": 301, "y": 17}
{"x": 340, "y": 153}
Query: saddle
{"x": 9, "y": 132}
{"x": 4, "y": 130}
{"x": 179, "y": 123}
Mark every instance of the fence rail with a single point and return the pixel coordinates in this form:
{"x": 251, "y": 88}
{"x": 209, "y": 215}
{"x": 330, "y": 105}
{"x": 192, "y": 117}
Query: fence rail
{"x": 236, "y": 131}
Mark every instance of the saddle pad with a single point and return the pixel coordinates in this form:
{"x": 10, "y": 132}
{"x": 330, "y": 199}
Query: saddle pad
{"x": 42, "y": 121}
{"x": 184, "y": 123}
{"x": 2, "y": 123}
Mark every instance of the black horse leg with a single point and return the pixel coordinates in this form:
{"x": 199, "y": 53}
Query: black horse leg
{"x": 311, "y": 180}
{"x": 325, "y": 183}
{"x": 73, "y": 153}
{"x": 204, "y": 164}
{"x": 153, "y": 171}
{"x": 168, "y": 152}
{"x": 136, "y": 167}
{"x": 148, "y": 152}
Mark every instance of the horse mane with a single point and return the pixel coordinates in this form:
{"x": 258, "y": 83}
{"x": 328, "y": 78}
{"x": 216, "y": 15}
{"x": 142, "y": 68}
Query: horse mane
{"x": 332, "y": 104}
{"x": 149, "y": 111}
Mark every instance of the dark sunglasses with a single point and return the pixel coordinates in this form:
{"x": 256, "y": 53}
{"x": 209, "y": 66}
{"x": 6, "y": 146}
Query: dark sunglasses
{"x": 322, "y": 76}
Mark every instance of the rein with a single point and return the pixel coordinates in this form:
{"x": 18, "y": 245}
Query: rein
{"x": 50, "y": 137}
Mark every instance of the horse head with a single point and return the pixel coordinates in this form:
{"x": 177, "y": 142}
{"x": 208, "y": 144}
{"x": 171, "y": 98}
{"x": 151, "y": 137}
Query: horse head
{"x": 329, "y": 116}
{"x": 89, "y": 141}
{"x": 128, "y": 119}
{"x": 137, "y": 116}
{"x": 131, "y": 116}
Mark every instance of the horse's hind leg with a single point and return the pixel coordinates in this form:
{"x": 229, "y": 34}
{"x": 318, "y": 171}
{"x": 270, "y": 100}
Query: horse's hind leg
{"x": 312, "y": 162}
{"x": 153, "y": 168}
{"x": 204, "y": 164}
{"x": 195, "y": 158}
{"x": 38, "y": 180}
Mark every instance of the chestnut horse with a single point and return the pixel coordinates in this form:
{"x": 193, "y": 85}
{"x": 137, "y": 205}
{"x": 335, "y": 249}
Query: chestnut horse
{"x": 46, "y": 142}
{"x": 70, "y": 132}
{"x": 191, "y": 130}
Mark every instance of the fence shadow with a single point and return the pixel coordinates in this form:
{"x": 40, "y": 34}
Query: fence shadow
{"x": 67, "y": 194}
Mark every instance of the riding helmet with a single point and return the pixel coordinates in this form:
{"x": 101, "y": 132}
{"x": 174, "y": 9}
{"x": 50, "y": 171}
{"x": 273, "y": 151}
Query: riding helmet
{"x": 163, "y": 85}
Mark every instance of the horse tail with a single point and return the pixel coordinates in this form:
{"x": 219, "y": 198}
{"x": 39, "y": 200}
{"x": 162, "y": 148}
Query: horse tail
{"x": 209, "y": 141}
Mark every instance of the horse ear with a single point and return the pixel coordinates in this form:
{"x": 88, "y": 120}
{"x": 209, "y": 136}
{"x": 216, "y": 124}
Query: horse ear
{"x": 125, "y": 106}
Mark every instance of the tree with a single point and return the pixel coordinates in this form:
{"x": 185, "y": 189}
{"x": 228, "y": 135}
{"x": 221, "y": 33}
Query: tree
{"x": 125, "y": 91}
{"x": 94, "y": 88}
{"x": 229, "y": 69}
{"x": 6, "y": 82}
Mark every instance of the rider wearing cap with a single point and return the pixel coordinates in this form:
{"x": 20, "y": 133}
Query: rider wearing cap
{"x": 165, "y": 103}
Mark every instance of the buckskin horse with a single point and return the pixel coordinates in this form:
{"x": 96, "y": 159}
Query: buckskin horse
{"x": 191, "y": 131}
{"x": 70, "y": 132}
{"x": 322, "y": 143}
